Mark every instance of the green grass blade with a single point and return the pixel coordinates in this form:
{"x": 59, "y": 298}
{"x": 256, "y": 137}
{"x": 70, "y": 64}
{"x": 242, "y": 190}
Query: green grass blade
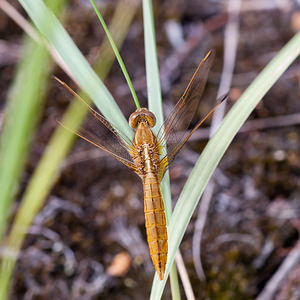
{"x": 155, "y": 105}
{"x": 152, "y": 71}
{"x": 117, "y": 54}
{"x": 24, "y": 103}
{"x": 216, "y": 148}
{"x": 88, "y": 80}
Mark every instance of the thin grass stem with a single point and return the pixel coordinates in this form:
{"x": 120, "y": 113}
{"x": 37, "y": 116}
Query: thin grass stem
{"x": 117, "y": 54}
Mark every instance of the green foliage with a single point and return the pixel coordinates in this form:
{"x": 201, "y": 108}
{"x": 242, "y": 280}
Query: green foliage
{"x": 24, "y": 103}
{"x": 59, "y": 145}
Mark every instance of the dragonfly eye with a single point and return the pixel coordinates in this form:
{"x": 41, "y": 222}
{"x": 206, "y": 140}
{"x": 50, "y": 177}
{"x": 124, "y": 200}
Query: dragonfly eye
{"x": 142, "y": 115}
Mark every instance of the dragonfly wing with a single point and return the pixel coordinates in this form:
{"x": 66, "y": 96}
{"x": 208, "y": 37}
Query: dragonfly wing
{"x": 100, "y": 133}
{"x": 102, "y": 137}
{"x": 173, "y": 132}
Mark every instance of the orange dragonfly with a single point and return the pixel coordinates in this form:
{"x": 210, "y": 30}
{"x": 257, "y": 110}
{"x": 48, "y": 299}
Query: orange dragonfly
{"x": 143, "y": 154}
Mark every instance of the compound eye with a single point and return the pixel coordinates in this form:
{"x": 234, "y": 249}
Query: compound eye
{"x": 150, "y": 118}
{"x": 134, "y": 120}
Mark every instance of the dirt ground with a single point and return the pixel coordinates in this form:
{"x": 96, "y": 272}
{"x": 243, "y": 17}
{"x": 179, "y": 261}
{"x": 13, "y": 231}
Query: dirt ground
{"x": 93, "y": 219}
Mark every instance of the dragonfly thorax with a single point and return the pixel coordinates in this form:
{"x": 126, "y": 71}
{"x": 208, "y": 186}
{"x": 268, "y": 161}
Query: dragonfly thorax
{"x": 142, "y": 115}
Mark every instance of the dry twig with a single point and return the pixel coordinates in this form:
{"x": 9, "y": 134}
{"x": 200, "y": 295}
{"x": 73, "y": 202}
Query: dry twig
{"x": 184, "y": 277}
{"x": 289, "y": 263}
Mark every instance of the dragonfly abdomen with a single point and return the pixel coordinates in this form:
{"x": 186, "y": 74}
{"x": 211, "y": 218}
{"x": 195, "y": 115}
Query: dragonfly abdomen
{"x": 155, "y": 223}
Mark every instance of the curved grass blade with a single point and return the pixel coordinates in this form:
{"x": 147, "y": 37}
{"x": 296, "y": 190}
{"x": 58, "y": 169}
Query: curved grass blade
{"x": 88, "y": 80}
{"x": 216, "y": 148}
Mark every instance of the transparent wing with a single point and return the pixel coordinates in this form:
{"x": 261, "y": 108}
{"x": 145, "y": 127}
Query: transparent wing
{"x": 100, "y": 133}
{"x": 174, "y": 132}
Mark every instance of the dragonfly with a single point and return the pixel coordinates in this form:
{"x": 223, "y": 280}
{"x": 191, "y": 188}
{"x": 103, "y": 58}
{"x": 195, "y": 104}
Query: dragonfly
{"x": 143, "y": 154}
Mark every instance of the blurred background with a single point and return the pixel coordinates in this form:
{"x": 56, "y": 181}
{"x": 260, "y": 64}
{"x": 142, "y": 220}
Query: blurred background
{"x": 88, "y": 240}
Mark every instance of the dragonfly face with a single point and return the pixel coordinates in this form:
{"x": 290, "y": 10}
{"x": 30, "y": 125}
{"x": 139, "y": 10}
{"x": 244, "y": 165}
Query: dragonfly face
{"x": 142, "y": 120}
{"x": 143, "y": 156}
{"x": 141, "y": 115}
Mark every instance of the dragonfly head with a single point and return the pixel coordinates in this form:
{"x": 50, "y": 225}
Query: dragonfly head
{"x": 142, "y": 115}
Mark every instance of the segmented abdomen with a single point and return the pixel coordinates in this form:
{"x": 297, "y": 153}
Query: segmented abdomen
{"x": 155, "y": 223}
